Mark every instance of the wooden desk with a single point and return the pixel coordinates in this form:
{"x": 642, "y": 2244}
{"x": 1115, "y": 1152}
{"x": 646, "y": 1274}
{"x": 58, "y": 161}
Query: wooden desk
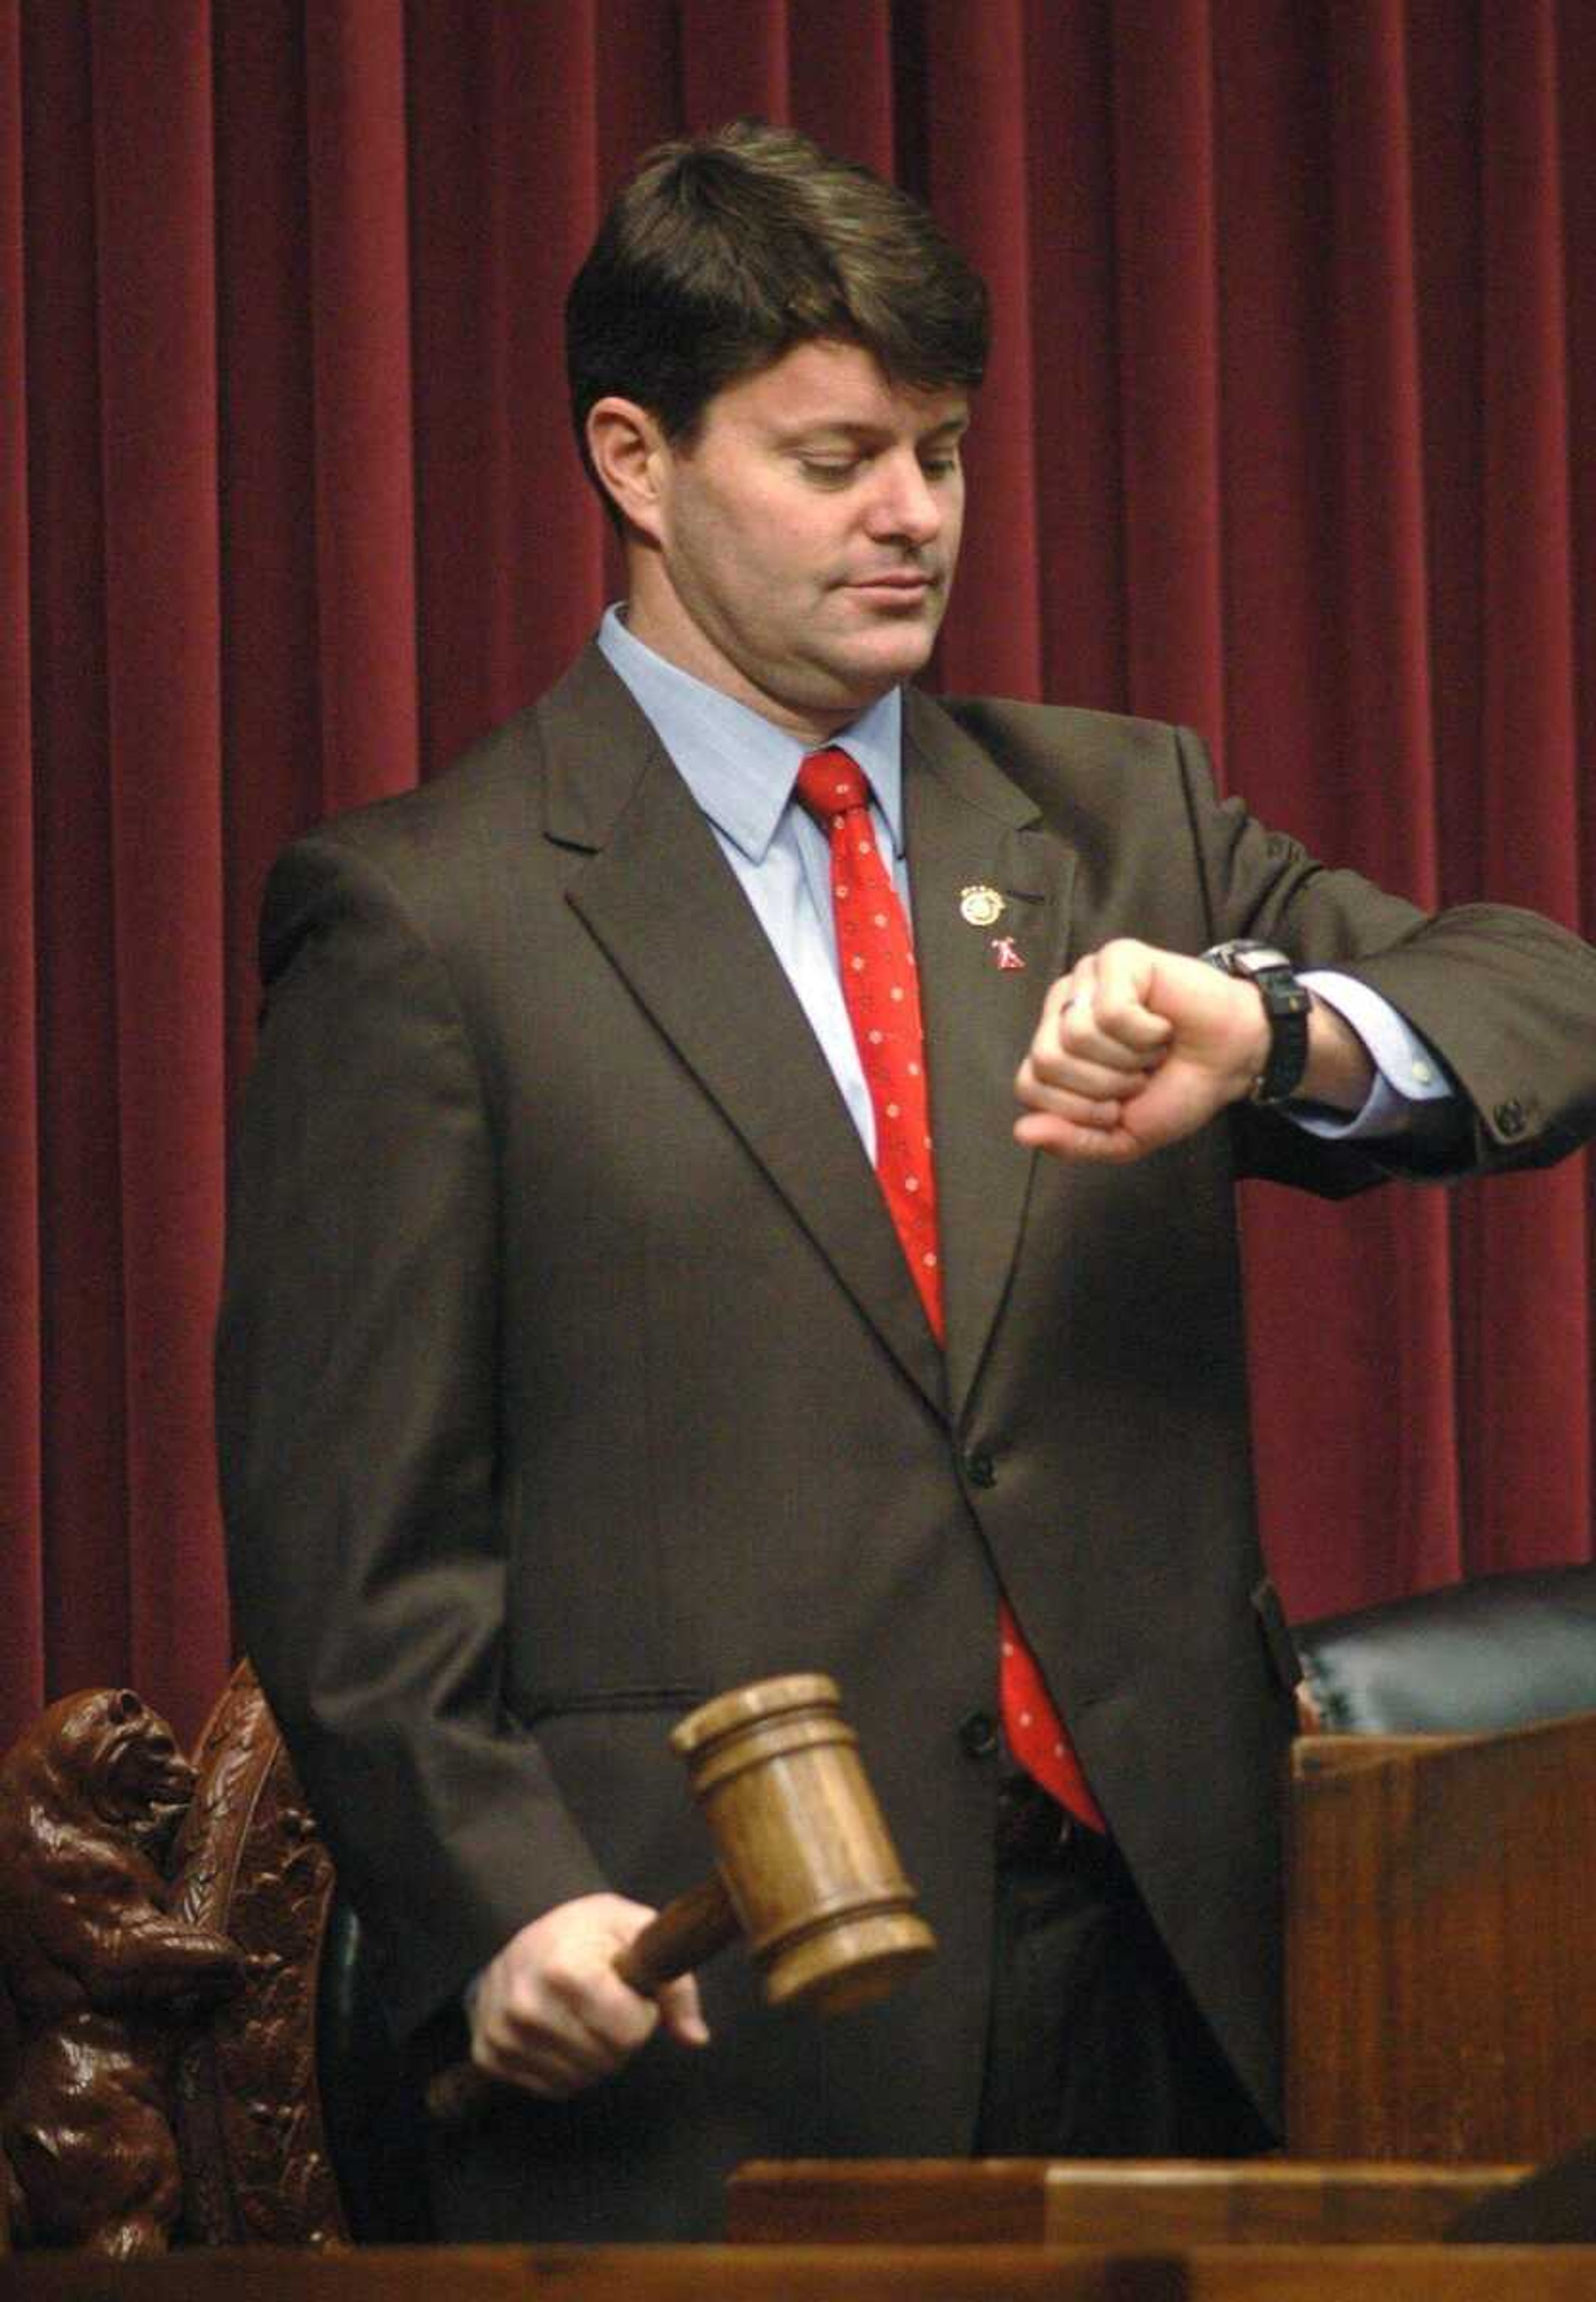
{"x": 835, "y": 2274}
{"x": 1098, "y": 2202}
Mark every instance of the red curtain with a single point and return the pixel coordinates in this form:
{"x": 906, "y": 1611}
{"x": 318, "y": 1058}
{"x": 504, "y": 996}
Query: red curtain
{"x": 1298, "y": 330}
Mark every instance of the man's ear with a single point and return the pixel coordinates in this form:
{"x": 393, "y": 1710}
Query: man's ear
{"x": 629, "y": 453}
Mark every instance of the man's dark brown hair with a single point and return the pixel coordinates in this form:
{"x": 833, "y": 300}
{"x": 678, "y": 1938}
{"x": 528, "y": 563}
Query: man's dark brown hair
{"x": 723, "y": 251}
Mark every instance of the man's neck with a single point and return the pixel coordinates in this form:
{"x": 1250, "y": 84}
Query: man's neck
{"x": 678, "y": 642}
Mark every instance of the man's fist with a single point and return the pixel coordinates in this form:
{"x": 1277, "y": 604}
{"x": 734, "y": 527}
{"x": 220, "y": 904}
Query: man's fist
{"x": 1136, "y": 1048}
{"x": 551, "y": 2014}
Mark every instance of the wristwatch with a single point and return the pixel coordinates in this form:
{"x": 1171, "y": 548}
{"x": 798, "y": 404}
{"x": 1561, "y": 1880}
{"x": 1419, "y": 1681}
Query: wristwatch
{"x": 1285, "y": 1003}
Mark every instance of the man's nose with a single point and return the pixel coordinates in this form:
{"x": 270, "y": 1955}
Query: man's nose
{"x": 904, "y": 503}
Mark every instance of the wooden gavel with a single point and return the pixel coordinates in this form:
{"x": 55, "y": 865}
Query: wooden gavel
{"x": 805, "y": 1870}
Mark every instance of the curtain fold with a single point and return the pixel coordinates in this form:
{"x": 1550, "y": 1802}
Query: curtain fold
{"x": 155, "y": 238}
{"x": 273, "y": 781}
{"x": 505, "y": 170}
{"x": 1166, "y": 223}
{"x": 21, "y": 1592}
{"x": 1295, "y": 343}
{"x": 1529, "y": 1257}
{"x": 360, "y": 364}
{"x": 1362, "y": 788}
{"x": 976, "y": 74}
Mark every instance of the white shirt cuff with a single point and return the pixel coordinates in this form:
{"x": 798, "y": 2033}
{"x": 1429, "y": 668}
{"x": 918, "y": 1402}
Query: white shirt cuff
{"x": 1406, "y": 1068}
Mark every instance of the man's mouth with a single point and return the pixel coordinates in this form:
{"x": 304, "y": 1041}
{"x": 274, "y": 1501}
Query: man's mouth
{"x": 905, "y": 584}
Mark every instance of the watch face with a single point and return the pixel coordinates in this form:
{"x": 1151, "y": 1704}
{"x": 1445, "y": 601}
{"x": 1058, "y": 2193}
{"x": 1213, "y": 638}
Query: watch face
{"x": 1263, "y": 959}
{"x": 1250, "y": 959}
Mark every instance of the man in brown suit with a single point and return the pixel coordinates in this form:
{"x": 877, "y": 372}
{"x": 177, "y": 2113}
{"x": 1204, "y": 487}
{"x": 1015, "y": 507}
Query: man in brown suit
{"x": 570, "y": 1367}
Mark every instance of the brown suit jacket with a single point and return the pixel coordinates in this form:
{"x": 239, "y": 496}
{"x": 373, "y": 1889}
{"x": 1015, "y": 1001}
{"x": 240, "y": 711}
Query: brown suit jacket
{"x": 570, "y": 1373}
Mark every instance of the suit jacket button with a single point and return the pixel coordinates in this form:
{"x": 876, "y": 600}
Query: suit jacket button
{"x": 978, "y": 1733}
{"x": 980, "y": 1470}
{"x": 1511, "y": 1117}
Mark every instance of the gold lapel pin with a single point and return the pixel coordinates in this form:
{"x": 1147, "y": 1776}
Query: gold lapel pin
{"x": 980, "y": 907}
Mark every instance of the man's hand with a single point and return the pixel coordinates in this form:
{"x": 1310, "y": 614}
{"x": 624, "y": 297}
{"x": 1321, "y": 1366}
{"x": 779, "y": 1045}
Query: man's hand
{"x": 551, "y": 2014}
{"x": 1137, "y": 1049}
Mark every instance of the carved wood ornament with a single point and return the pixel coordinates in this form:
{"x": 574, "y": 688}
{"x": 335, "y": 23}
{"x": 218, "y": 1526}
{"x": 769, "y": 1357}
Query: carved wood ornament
{"x": 161, "y": 1925}
{"x": 102, "y": 1973}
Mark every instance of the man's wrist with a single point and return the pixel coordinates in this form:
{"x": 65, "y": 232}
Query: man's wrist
{"x": 1340, "y": 1071}
{"x": 1286, "y": 1008}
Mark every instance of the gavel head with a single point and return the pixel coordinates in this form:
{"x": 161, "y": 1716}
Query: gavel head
{"x": 803, "y": 1853}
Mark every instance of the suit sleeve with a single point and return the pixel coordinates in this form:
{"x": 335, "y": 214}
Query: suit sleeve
{"x": 357, "y": 1406}
{"x": 1506, "y": 997}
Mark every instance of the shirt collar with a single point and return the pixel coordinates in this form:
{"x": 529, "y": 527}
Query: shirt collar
{"x": 738, "y": 767}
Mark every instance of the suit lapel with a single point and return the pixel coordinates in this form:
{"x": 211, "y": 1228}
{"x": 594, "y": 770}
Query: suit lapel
{"x": 659, "y": 898}
{"x": 970, "y": 828}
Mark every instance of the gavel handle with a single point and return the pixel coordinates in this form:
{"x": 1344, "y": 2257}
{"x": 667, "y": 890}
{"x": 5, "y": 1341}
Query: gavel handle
{"x": 676, "y": 1939}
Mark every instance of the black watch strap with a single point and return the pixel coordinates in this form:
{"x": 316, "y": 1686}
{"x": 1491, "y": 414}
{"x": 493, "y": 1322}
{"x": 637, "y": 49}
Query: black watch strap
{"x": 1285, "y": 1003}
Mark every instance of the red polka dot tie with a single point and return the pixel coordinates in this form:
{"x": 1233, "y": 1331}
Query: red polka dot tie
{"x": 876, "y": 958}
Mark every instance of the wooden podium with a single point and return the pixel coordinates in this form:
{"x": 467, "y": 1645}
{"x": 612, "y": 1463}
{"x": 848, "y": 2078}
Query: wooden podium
{"x": 1441, "y": 1944}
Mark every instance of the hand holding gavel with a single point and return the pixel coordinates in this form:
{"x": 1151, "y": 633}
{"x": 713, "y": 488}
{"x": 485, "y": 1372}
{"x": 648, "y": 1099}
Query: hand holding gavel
{"x": 806, "y": 1870}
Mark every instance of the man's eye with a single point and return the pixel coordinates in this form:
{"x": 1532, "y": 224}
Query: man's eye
{"x": 939, "y": 467}
{"x": 829, "y": 471}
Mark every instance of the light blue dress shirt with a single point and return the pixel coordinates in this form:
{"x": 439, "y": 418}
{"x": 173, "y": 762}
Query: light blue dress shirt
{"x": 741, "y": 770}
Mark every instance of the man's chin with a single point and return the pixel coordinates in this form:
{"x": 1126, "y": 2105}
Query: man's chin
{"x": 887, "y": 659}
{"x": 825, "y": 691}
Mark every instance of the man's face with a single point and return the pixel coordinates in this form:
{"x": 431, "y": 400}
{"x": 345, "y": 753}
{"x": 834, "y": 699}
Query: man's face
{"x": 806, "y": 537}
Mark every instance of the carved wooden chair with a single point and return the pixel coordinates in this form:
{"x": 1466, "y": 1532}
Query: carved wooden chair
{"x": 295, "y": 2121}
{"x": 231, "y": 2082}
